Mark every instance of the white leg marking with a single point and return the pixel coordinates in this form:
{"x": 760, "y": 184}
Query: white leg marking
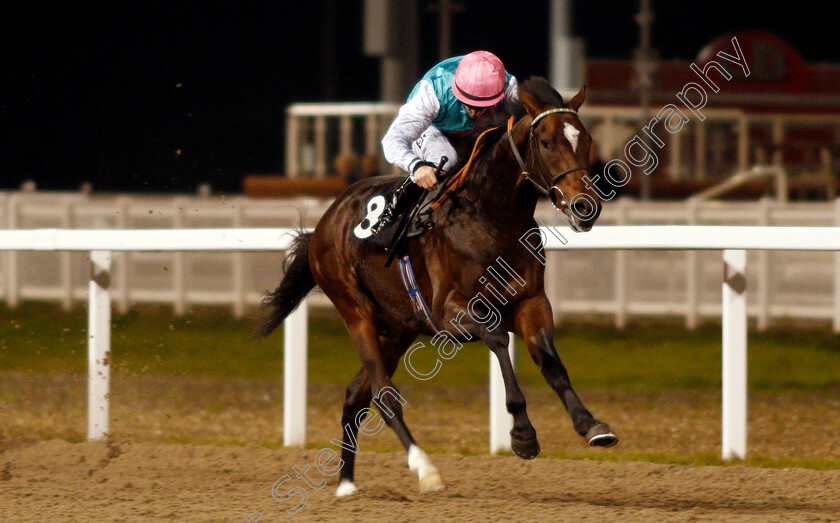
{"x": 345, "y": 488}
{"x": 418, "y": 460}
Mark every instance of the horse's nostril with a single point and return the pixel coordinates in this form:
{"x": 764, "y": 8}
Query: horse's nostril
{"x": 583, "y": 208}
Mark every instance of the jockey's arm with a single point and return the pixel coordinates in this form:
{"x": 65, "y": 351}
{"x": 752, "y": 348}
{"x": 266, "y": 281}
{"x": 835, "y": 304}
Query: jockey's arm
{"x": 414, "y": 117}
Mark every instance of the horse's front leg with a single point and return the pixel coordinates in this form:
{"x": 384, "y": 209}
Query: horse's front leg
{"x": 480, "y": 322}
{"x": 533, "y": 322}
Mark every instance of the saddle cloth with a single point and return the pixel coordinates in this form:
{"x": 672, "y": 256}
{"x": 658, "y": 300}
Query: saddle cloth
{"x": 413, "y": 197}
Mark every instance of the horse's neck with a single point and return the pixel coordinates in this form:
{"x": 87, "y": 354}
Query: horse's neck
{"x": 495, "y": 191}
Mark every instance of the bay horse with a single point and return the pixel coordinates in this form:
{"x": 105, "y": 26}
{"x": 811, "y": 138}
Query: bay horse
{"x": 481, "y": 222}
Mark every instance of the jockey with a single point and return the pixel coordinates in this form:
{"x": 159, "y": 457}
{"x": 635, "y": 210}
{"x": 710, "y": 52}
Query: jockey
{"x": 446, "y": 101}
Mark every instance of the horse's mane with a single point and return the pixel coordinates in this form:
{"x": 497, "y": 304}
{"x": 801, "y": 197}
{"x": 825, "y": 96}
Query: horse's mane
{"x": 537, "y": 86}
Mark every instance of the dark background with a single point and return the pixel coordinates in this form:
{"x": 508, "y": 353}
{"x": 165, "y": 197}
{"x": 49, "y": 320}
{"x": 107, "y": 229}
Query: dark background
{"x": 158, "y": 96}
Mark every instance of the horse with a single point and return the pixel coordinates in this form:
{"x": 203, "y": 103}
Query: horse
{"x": 480, "y": 223}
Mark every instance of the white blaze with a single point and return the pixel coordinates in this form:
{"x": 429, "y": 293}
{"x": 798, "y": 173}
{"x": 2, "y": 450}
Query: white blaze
{"x": 571, "y": 134}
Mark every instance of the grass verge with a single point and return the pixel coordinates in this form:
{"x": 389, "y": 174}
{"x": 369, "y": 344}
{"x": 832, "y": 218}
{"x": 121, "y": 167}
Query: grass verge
{"x": 648, "y": 355}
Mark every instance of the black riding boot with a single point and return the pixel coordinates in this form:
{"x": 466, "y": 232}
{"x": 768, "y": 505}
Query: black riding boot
{"x": 404, "y": 197}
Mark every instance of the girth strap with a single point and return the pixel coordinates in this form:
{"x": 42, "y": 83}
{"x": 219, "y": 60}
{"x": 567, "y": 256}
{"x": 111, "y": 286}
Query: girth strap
{"x": 414, "y": 294}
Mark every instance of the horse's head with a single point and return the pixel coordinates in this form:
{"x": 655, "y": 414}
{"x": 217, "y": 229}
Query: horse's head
{"x": 558, "y": 152}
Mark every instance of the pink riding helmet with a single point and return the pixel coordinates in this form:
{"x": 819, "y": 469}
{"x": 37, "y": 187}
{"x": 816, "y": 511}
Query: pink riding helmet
{"x": 479, "y": 79}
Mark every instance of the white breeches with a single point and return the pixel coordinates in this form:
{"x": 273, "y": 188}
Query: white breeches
{"x": 432, "y": 145}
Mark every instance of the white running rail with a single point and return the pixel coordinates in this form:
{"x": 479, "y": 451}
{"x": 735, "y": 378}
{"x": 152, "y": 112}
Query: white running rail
{"x": 619, "y": 284}
{"x": 733, "y": 240}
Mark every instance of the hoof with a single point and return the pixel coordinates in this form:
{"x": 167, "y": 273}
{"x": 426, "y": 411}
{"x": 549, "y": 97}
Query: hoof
{"x": 431, "y": 483}
{"x": 345, "y": 488}
{"x": 601, "y": 435}
{"x": 525, "y": 448}
{"x": 429, "y": 476}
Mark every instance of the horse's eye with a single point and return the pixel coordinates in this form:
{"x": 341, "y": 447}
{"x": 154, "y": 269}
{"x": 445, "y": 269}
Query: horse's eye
{"x": 546, "y": 144}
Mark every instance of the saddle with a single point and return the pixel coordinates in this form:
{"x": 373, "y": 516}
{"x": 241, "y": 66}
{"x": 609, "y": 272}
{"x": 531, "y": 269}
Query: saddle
{"x": 411, "y": 222}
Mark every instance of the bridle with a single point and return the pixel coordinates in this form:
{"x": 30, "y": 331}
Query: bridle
{"x": 539, "y": 162}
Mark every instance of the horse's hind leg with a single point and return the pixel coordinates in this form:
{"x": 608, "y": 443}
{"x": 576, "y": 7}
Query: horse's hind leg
{"x": 380, "y": 358}
{"x": 356, "y": 400}
{"x": 535, "y": 325}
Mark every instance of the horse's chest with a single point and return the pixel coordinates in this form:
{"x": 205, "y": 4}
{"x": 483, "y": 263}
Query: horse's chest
{"x": 477, "y": 246}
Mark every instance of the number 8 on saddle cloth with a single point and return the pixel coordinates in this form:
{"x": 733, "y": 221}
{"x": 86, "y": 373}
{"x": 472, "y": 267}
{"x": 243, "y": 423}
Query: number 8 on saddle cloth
{"x": 373, "y": 210}
{"x": 393, "y": 237}
{"x": 375, "y": 206}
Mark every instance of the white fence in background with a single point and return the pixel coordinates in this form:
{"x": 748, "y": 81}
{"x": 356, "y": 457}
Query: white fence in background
{"x": 734, "y": 241}
{"x": 182, "y": 280}
{"x": 621, "y": 284}
{"x": 316, "y": 133}
{"x": 723, "y": 143}
{"x": 99, "y": 244}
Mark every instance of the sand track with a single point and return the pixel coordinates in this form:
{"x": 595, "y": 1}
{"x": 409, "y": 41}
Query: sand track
{"x": 57, "y": 480}
{"x": 143, "y": 476}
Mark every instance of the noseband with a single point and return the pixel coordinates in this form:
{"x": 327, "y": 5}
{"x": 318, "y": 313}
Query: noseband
{"x": 539, "y": 162}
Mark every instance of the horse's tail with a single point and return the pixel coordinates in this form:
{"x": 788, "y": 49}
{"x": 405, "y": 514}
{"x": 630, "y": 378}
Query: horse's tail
{"x": 296, "y": 284}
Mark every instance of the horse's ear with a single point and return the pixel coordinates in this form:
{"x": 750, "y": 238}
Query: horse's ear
{"x": 532, "y": 105}
{"x": 578, "y": 99}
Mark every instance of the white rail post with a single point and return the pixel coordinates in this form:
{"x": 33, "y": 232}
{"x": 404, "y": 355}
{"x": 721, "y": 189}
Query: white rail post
{"x": 734, "y": 361}
{"x": 238, "y": 271}
{"x": 674, "y": 163}
{"x": 692, "y": 274}
{"x": 66, "y": 270}
{"x": 743, "y": 142}
{"x": 294, "y": 377}
{"x": 322, "y": 164}
{"x": 765, "y": 274}
{"x": 371, "y": 135}
{"x": 179, "y": 271}
{"x": 292, "y": 140}
{"x": 501, "y": 422}
{"x": 836, "y": 320}
{"x": 345, "y": 134}
{"x": 99, "y": 344}
{"x": 554, "y": 275}
{"x": 700, "y": 151}
{"x": 620, "y": 273}
{"x": 12, "y": 275}
{"x": 124, "y": 258}
{"x": 778, "y": 137}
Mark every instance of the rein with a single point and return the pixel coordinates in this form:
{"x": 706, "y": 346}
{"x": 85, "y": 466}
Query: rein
{"x": 452, "y": 184}
{"x": 542, "y": 168}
